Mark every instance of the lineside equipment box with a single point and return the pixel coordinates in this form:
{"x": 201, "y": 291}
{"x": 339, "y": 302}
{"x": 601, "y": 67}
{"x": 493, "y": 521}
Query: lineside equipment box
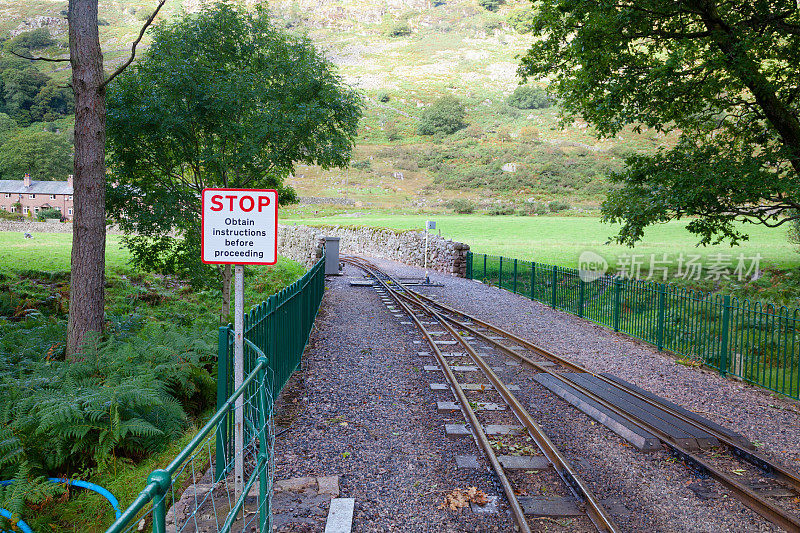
{"x": 332, "y": 256}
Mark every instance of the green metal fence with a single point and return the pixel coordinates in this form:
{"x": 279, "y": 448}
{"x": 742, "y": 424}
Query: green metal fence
{"x": 197, "y": 492}
{"x": 757, "y": 342}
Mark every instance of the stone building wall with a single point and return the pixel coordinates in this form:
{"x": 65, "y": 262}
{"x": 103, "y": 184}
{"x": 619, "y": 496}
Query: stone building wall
{"x": 444, "y": 255}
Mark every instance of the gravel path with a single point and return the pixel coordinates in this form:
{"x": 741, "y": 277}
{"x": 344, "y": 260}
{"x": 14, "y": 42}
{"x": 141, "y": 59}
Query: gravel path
{"x": 645, "y": 492}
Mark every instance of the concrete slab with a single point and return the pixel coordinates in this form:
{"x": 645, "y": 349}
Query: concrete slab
{"x": 463, "y": 430}
{"x": 741, "y": 439}
{"x": 640, "y": 439}
{"x": 470, "y": 386}
{"x": 457, "y": 368}
{"x": 340, "y": 515}
{"x": 445, "y": 343}
{"x": 489, "y": 508}
{"x": 686, "y": 434}
{"x": 549, "y": 506}
{"x": 446, "y": 407}
{"x": 524, "y": 462}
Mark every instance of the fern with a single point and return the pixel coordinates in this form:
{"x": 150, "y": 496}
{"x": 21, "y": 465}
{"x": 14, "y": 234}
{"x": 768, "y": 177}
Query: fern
{"x": 124, "y": 397}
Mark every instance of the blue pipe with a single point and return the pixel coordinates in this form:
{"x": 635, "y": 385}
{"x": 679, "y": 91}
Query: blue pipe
{"x": 105, "y": 493}
{"x": 22, "y": 525}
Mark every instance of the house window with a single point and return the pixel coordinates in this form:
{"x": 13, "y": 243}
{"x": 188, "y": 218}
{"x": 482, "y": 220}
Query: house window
{"x": 3, "y": 207}
{"x": 70, "y": 198}
{"x": 52, "y": 196}
{"x": 13, "y": 209}
{"x": 69, "y": 211}
{"x": 25, "y": 210}
{"x": 8, "y": 195}
{"x": 36, "y": 209}
{"x": 31, "y": 196}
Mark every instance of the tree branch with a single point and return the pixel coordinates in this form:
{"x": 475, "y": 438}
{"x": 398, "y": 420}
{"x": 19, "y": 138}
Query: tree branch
{"x": 31, "y": 58}
{"x": 125, "y": 65}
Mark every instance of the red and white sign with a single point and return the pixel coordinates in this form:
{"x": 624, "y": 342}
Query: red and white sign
{"x": 240, "y": 226}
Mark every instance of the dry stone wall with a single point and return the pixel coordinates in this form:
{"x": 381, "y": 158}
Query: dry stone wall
{"x": 301, "y": 243}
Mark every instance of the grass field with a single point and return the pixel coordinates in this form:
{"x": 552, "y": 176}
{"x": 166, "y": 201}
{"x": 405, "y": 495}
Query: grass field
{"x": 50, "y": 251}
{"x": 561, "y": 240}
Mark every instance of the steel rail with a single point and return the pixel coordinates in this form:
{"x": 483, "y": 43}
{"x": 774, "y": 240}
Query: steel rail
{"x": 755, "y": 458}
{"x": 595, "y": 511}
{"x": 478, "y": 432}
{"x": 758, "y": 504}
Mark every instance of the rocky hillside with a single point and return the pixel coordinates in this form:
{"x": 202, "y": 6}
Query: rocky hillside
{"x": 403, "y": 55}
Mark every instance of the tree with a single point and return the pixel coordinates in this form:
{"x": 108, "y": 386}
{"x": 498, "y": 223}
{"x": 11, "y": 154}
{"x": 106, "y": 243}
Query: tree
{"x": 528, "y": 97}
{"x": 20, "y": 87}
{"x": 445, "y": 115}
{"x": 43, "y": 155}
{"x": 87, "y": 272}
{"x": 221, "y": 99}
{"x": 721, "y": 75}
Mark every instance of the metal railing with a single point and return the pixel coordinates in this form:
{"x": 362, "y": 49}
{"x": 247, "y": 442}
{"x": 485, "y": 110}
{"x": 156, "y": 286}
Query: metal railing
{"x": 196, "y": 491}
{"x": 756, "y": 342}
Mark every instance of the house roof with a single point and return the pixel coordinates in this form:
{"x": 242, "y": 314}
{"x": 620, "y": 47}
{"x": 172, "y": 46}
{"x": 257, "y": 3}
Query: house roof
{"x": 37, "y": 187}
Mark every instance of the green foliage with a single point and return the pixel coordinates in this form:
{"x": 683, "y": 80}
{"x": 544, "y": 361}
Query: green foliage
{"x": 558, "y": 205}
{"x": 43, "y": 155}
{"x": 363, "y": 164}
{"x": 461, "y": 205}
{"x": 30, "y": 40}
{"x": 522, "y": 19}
{"x": 714, "y": 74}
{"x": 398, "y": 30}
{"x": 44, "y": 214}
{"x": 529, "y": 97}
{"x": 222, "y": 98}
{"x": 118, "y": 400}
{"x": 501, "y": 210}
{"x": 383, "y": 96}
{"x": 446, "y": 116}
{"x": 28, "y": 95}
{"x": 491, "y": 5}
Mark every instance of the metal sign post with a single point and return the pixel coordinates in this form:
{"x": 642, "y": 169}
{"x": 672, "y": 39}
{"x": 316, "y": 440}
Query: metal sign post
{"x": 429, "y": 225}
{"x": 238, "y": 377}
{"x": 240, "y": 227}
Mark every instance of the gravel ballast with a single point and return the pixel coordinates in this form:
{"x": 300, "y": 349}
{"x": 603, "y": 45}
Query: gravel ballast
{"x": 362, "y": 408}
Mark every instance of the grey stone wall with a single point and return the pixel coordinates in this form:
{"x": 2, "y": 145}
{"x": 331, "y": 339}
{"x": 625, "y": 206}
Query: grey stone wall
{"x": 300, "y": 243}
{"x": 32, "y": 226}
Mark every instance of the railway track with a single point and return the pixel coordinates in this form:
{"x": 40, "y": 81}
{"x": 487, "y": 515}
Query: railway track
{"x": 480, "y": 415}
{"x": 762, "y": 484}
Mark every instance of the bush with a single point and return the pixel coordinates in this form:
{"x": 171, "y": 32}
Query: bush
{"x": 527, "y": 97}
{"x": 48, "y": 213}
{"x": 500, "y": 210}
{"x": 361, "y": 165}
{"x": 392, "y": 132}
{"x": 446, "y": 115}
{"x": 398, "y": 30}
{"x": 31, "y": 40}
{"x": 533, "y": 208}
{"x": 383, "y": 96}
{"x": 461, "y": 206}
{"x": 522, "y": 20}
{"x": 491, "y": 5}
{"x": 558, "y": 205}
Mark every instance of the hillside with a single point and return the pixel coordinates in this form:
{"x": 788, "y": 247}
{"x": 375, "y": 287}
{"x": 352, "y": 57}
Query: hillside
{"x": 403, "y": 55}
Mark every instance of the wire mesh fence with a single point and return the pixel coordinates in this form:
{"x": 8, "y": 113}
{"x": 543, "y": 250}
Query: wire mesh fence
{"x": 195, "y": 492}
{"x": 755, "y": 342}
{"x": 198, "y": 491}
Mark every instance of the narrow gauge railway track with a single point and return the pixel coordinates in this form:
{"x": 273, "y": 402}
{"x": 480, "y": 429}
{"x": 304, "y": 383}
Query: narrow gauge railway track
{"x": 594, "y": 511}
{"x": 763, "y": 485}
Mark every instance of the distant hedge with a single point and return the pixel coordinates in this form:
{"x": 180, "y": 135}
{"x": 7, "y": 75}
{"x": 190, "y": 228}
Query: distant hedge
{"x": 528, "y": 97}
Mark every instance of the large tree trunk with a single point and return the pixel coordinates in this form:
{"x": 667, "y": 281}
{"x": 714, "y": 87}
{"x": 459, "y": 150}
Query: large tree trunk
{"x": 227, "y": 275}
{"x": 87, "y": 301}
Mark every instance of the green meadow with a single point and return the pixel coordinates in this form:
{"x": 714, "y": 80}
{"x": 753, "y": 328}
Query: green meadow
{"x": 561, "y": 240}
